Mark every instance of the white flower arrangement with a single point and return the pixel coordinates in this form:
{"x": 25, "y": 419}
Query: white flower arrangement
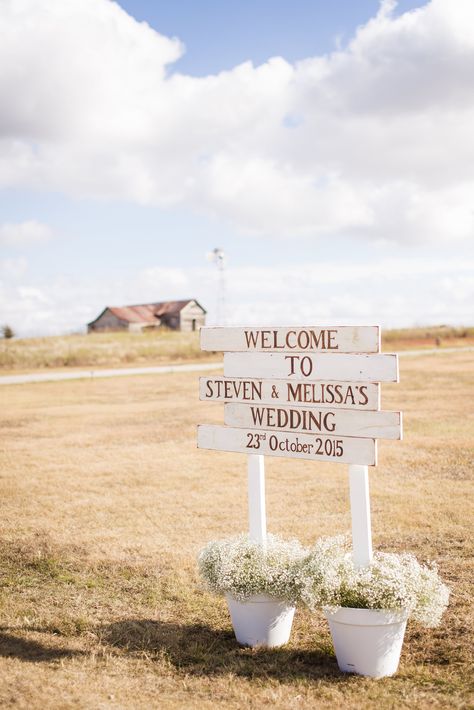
{"x": 329, "y": 578}
{"x": 324, "y": 576}
{"x": 244, "y": 568}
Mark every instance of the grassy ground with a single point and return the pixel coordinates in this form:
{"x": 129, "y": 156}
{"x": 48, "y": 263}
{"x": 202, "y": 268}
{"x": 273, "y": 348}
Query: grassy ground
{"x": 100, "y": 350}
{"x": 429, "y": 337}
{"x": 128, "y": 349}
{"x": 106, "y": 501}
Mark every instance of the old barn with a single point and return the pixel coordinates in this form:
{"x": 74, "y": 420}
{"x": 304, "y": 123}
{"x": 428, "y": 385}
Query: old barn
{"x": 185, "y": 315}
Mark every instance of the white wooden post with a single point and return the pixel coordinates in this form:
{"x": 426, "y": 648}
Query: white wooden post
{"x": 360, "y": 513}
{"x": 256, "y": 492}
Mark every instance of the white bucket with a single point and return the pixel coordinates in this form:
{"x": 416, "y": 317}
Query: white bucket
{"x": 261, "y": 620}
{"x": 367, "y": 641}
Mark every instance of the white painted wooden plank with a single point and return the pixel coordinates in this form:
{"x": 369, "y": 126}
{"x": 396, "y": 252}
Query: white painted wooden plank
{"x": 313, "y": 338}
{"x": 288, "y": 445}
{"x": 312, "y": 420}
{"x": 360, "y": 515}
{"x": 320, "y": 366}
{"x": 256, "y": 498}
{"x": 333, "y": 394}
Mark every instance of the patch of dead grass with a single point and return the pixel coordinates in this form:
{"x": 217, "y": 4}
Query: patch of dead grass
{"x": 106, "y": 501}
{"x": 100, "y": 350}
{"x": 122, "y": 349}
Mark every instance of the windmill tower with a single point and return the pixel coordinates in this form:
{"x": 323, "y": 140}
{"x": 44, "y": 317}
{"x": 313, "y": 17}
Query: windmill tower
{"x": 218, "y": 258}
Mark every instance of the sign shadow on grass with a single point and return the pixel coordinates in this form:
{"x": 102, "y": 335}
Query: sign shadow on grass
{"x": 13, "y": 646}
{"x": 201, "y": 650}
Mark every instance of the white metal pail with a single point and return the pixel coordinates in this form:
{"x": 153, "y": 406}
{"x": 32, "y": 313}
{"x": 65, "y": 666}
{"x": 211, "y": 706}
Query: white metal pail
{"x": 367, "y": 641}
{"x": 261, "y": 620}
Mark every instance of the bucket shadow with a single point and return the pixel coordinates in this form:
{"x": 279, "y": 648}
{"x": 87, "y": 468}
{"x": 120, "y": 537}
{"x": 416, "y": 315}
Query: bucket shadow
{"x": 12, "y": 646}
{"x": 201, "y": 650}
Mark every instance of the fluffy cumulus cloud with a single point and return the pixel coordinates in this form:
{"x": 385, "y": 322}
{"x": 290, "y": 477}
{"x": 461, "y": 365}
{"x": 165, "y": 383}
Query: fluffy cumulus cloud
{"x": 34, "y": 305}
{"x": 329, "y": 291}
{"x": 21, "y": 234}
{"x": 343, "y": 292}
{"x": 373, "y": 140}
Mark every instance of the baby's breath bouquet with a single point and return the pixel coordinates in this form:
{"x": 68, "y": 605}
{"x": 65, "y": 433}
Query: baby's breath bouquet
{"x": 243, "y": 568}
{"x": 329, "y": 578}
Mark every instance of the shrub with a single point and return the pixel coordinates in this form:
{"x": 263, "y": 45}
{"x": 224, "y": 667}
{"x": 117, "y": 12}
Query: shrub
{"x": 329, "y": 578}
{"x": 7, "y": 331}
{"x": 243, "y": 568}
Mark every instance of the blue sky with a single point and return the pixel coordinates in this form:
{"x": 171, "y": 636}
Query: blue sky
{"x": 220, "y": 35}
{"x": 326, "y": 147}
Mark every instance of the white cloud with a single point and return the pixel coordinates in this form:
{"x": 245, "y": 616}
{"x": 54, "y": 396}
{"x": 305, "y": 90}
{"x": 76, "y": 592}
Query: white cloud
{"x": 159, "y": 279}
{"x": 13, "y": 268}
{"x": 22, "y": 234}
{"x": 32, "y": 297}
{"x": 393, "y": 292}
{"x": 409, "y": 291}
{"x": 374, "y": 140}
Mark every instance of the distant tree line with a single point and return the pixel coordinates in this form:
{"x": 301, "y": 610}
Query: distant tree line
{"x": 7, "y": 331}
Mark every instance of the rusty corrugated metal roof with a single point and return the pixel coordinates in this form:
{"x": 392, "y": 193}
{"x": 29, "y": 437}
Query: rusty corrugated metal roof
{"x": 170, "y": 307}
{"x": 134, "y": 314}
{"x": 148, "y": 312}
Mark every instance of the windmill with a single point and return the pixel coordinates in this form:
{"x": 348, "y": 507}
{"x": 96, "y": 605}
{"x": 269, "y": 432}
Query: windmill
{"x": 217, "y": 257}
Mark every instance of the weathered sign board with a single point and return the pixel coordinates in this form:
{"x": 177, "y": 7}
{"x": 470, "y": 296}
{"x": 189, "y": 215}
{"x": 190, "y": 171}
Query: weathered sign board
{"x": 327, "y": 366}
{"x": 312, "y": 420}
{"x": 308, "y": 392}
{"x": 345, "y": 395}
{"x": 341, "y": 339}
{"x": 280, "y": 443}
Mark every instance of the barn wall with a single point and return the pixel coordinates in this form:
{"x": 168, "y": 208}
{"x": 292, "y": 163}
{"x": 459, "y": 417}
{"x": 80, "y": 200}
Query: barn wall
{"x": 136, "y": 327}
{"x": 192, "y": 312}
{"x": 108, "y": 321}
{"x": 170, "y": 321}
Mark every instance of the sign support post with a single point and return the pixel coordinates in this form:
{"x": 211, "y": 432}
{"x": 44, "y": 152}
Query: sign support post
{"x": 256, "y": 493}
{"x": 360, "y": 514}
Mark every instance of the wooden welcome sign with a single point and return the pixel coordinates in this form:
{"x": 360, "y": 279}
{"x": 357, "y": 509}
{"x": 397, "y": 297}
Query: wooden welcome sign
{"x": 302, "y": 392}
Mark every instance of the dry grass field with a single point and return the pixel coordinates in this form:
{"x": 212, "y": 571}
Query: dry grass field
{"x": 100, "y": 350}
{"x": 429, "y": 337}
{"x": 106, "y": 501}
